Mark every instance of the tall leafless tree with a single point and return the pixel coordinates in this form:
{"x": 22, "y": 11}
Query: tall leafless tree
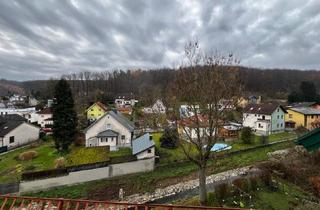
{"x": 203, "y": 83}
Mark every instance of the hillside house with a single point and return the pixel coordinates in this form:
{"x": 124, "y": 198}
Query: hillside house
{"x": 15, "y": 131}
{"x": 157, "y": 108}
{"x": 187, "y": 127}
{"x": 28, "y": 113}
{"x": 125, "y": 100}
{"x": 143, "y": 147}
{"x": 264, "y": 119}
{"x": 44, "y": 118}
{"x": 95, "y": 111}
{"x": 302, "y": 116}
{"x": 112, "y": 129}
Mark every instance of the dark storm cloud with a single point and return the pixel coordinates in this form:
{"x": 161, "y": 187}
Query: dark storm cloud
{"x": 42, "y": 39}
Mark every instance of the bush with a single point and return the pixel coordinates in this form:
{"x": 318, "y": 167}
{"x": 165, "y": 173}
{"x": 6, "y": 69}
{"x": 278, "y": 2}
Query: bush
{"x": 221, "y": 192}
{"x": 170, "y": 138}
{"x": 79, "y": 140}
{"x": 30, "y": 168}
{"x": 253, "y": 183}
{"x": 241, "y": 183}
{"x": 315, "y": 183}
{"x": 29, "y": 155}
{"x": 60, "y": 162}
{"x": 264, "y": 139}
{"x": 246, "y": 135}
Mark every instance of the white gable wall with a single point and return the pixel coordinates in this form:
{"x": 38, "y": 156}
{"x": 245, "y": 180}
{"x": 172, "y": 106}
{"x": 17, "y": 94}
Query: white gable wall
{"x": 102, "y": 125}
{"x": 23, "y": 134}
{"x": 146, "y": 154}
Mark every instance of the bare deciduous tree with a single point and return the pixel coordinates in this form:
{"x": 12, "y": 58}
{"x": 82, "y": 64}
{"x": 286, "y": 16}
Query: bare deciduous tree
{"x": 203, "y": 84}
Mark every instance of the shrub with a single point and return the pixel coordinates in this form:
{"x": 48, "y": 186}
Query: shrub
{"x": 241, "y": 183}
{"x": 30, "y": 168}
{"x": 210, "y": 199}
{"x": 246, "y": 135}
{"x": 59, "y": 162}
{"x": 264, "y": 139}
{"x": 29, "y": 155}
{"x": 266, "y": 178}
{"x": 315, "y": 183}
{"x": 221, "y": 192}
{"x": 253, "y": 183}
{"x": 79, "y": 140}
{"x": 170, "y": 138}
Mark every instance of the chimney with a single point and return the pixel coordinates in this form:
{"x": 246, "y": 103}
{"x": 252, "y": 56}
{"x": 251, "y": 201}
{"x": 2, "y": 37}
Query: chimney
{"x": 115, "y": 111}
{"x": 150, "y": 137}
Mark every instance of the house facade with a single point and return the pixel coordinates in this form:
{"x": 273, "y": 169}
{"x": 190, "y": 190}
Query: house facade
{"x": 112, "y": 129}
{"x": 143, "y": 147}
{"x": 264, "y": 119}
{"x": 15, "y": 132}
{"x": 44, "y": 118}
{"x": 125, "y": 100}
{"x": 157, "y": 108}
{"x": 95, "y": 111}
{"x": 302, "y": 116}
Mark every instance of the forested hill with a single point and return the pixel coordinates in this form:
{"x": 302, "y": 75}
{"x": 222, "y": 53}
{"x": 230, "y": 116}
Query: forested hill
{"x": 269, "y": 82}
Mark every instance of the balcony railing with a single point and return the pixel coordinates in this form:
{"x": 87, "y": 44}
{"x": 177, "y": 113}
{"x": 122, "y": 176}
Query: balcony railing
{"x": 31, "y": 203}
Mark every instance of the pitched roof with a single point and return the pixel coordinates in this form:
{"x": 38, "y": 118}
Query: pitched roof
{"x": 306, "y": 110}
{"x": 119, "y": 117}
{"x": 310, "y": 140}
{"x": 12, "y": 117}
{"x": 302, "y": 104}
{"x": 9, "y": 122}
{"x": 142, "y": 143}
{"x": 47, "y": 110}
{"x": 266, "y": 109}
{"x": 101, "y": 105}
{"x": 108, "y": 133}
{"x": 8, "y": 126}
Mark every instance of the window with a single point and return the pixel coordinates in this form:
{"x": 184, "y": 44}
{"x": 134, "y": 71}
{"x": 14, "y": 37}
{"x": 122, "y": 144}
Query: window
{"x": 281, "y": 116}
{"x": 278, "y": 125}
{"x": 281, "y": 125}
{"x": 11, "y": 139}
{"x": 92, "y": 110}
{"x": 260, "y": 126}
{"x": 311, "y": 116}
{"x": 278, "y": 117}
{"x": 290, "y": 115}
{"x": 149, "y": 150}
{"x": 108, "y": 126}
{"x": 99, "y": 110}
{"x": 278, "y": 110}
{"x": 123, "y": 137}
{"x": 92, "y": 115}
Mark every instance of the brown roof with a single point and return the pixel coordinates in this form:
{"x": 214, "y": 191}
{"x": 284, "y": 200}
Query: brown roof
{"x": 267, "y": 109}
{"x": 47, "y": 110}
{"x": 102, "y": 106}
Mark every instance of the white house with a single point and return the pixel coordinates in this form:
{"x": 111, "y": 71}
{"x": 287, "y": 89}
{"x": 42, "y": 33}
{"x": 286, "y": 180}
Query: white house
{"x": 143, "y": 147}
{"x": 112, "y": 129}
{"x": 44, "y": 117}
{"x": 157, "y": 108}
{"x": 188, "y": 110}
{"x": 264, "y": 119}
{"x": 28, "y": 113}
{"x": 15, "y": 131}
{"x": 123, "y": 101}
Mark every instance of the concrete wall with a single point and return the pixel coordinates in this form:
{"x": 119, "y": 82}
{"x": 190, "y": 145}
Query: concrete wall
{"x": 88, "y": 175}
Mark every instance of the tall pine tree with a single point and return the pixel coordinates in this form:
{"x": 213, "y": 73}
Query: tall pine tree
{"x": 64, "y": 116}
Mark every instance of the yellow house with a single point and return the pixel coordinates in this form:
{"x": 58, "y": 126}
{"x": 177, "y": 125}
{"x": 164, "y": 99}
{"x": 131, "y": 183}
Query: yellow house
{"x": 95, "y": 111}
{"x": 302, "y": 116}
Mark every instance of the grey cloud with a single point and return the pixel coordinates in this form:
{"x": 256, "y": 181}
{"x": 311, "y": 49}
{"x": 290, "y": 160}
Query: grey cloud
{"x": 40, "y": 39}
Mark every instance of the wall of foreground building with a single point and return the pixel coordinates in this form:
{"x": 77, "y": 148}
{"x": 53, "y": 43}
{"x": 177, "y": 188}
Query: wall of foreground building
{"x": 77, "y": 177}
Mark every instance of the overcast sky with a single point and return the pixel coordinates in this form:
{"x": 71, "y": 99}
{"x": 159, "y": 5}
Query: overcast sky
{"x": 41, "y": 38}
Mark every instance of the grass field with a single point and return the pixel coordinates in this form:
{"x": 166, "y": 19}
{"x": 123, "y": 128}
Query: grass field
{"x": 160, "y": 177}
{"x": 11, "y": 167}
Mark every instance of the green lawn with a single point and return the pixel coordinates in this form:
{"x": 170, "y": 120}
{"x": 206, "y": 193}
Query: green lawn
{"x": 167, "y": 155}
{"x": 160, "y": 177}
{"x": 11, "y": 167}
{"x": 238, "y": 145}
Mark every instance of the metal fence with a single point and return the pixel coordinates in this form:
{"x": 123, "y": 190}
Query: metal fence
{"x": 14, "y": 202}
